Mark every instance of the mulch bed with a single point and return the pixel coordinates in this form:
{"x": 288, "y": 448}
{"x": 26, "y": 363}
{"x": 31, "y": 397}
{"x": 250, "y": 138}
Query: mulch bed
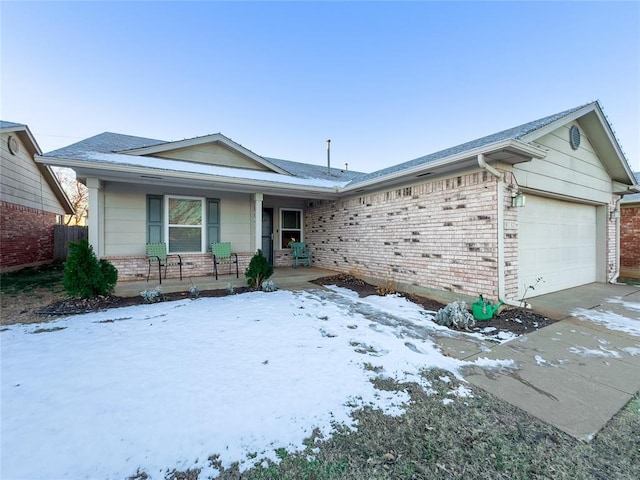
{"x": 518, "y": 321}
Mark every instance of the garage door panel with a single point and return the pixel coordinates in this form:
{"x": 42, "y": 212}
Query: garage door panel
{"x": 556, "y": 242}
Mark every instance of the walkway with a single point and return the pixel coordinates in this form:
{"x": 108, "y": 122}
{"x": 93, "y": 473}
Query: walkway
{"x": 576, "y": 374}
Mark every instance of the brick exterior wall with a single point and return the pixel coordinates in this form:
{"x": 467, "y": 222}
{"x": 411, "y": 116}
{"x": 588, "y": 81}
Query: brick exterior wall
{"x": 440, "y": 235}
{"x": 630, "y": 239}
{"x": 510, "y": 239}
{"x": 26, "y": 236}
{"x": 193, "y": 265}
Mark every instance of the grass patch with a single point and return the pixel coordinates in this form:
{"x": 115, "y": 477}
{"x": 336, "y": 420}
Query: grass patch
{"x": 27, "y": 280}
{"x": 475, "y": 438}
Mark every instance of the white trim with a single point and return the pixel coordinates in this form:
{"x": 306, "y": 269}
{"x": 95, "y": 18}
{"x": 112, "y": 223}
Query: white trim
{"x": 203, "y": 240}
{"x": 281, "y": 210}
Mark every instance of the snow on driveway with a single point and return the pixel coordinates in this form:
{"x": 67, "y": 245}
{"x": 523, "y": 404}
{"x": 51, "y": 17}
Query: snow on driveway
{"x": 164, "y": 386}
{"x": 612, "y": 320}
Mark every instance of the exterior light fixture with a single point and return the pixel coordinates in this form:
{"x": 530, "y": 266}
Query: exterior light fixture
{"x": 518, "y": 200}
{"x": 614, "y": 214}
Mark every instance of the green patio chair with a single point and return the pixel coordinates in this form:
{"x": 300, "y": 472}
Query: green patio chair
{"x": 301, "y": 254}
{"x": 222, "y": 254}
{"x": 157, "y": 253}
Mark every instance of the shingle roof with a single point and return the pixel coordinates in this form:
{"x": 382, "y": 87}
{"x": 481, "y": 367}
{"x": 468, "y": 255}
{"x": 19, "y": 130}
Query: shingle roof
{"x": 515, "y": 133}
{"x": 305, "y": 170}
{"x": 4, "y": 124}
{"x": 104, "y": 143}
{"x": 109, "y": 142}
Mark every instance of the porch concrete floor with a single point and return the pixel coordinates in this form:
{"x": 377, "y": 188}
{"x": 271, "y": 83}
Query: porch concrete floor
{"x": 288, "y": 278}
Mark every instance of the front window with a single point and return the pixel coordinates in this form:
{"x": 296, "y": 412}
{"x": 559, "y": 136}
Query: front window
{"x": 290, "y": 227}
{"x": 185, "y": 228}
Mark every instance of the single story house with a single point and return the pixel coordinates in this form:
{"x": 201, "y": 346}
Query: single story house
{"x": 531, "y": 206}
{"x": 630, "y": 235}
{"x": 31, "y": 201}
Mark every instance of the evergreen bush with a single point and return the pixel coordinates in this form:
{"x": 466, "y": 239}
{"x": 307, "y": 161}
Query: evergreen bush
{"x": 84, "y": 275}
{"x": 258, "y": 270}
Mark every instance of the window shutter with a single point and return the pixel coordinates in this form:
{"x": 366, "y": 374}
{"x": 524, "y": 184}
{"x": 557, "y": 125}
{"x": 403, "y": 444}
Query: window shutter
{"x": 154, "y": 218}
{"x": 213, "y": 222}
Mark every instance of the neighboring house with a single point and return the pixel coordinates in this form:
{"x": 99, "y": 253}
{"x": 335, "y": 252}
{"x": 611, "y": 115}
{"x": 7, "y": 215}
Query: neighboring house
{"x": 630, "y": 235}
{"x": 31, "y": 201}
{"x": 446, "y": 221}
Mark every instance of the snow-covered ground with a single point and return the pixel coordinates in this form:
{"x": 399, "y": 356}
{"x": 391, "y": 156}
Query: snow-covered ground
{"x": 164, "y": 386}
{"x": 612, "y": 320}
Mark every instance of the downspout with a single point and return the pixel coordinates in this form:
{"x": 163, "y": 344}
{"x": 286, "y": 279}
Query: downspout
{"x": 500, "y": 222}
{"x": 616, "y": 272}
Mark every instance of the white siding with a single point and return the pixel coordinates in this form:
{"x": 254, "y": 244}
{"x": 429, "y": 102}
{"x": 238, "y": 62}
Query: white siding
{"x": 564, "y": 171}
{"x": 21, "y": 183}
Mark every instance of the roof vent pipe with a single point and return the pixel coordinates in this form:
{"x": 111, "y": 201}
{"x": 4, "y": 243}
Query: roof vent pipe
{"x": 329, "y": 157}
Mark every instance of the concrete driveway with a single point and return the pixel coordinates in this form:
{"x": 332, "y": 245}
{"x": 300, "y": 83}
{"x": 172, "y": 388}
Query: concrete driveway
{"x": 578, "y": 373}
{"x": 594, "y": 296}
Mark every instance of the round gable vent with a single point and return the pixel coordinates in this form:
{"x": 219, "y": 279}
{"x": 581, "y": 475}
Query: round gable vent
{"x": 14, "y": 146}
{"x": 574, "y": 137}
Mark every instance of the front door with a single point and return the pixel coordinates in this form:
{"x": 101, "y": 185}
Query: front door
{"x": 267, "y": 234}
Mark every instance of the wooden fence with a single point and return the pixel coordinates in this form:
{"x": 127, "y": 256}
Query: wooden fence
{"x": 63, "y": 234}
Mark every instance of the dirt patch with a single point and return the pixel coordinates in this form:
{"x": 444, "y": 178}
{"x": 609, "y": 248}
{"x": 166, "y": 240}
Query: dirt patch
{"x": 518, "y": 321}
{"x": 44, "y": 305}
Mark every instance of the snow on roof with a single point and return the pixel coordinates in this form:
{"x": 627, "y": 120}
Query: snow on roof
{"x": 163, "y": 164}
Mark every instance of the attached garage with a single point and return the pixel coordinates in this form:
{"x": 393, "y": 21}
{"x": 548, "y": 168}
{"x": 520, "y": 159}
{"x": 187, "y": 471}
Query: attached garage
{"x": 557, "y": 243}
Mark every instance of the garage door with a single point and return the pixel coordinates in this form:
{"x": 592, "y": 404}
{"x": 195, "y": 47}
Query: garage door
{"x": 556, "y": 242}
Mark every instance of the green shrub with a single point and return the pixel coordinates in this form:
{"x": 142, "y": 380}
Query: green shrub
{"x": 84, "y": 275}
{"x": 258, "y": 270}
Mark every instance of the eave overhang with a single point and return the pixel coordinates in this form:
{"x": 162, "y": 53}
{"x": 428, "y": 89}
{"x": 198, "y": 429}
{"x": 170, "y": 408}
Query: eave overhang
{"x": 137, "y": 174}
{"x": 507, "y": 151}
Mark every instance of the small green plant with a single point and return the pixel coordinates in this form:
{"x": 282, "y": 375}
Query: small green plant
{"x": 523, "y": 302}
{"x": 153, "y": 295}
{"x": 84, "y": 275}
{"x": 258, "y": 270}
{"x": 455, "y": 315}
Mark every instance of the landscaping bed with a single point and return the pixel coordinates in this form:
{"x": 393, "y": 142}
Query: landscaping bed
{"x": 518, "y": 321}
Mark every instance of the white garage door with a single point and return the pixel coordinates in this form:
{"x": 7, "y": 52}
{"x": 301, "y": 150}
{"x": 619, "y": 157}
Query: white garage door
{"x": 556, "y": 242}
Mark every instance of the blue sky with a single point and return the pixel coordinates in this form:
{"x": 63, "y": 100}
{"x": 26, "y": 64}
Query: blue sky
{"x": 385, "y": 81}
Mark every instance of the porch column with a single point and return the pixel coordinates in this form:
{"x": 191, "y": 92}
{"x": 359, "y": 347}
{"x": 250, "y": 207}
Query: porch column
{"x": 95, "y": 218}
{"x": 258, "y": 197}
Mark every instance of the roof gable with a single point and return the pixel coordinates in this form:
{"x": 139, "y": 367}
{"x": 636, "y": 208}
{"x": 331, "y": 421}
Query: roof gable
{"x": 215, "y": 149}
{"x": 32, "y": 148}
{"x": 589, "y": 115}
{"x": 594, "y": 122}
